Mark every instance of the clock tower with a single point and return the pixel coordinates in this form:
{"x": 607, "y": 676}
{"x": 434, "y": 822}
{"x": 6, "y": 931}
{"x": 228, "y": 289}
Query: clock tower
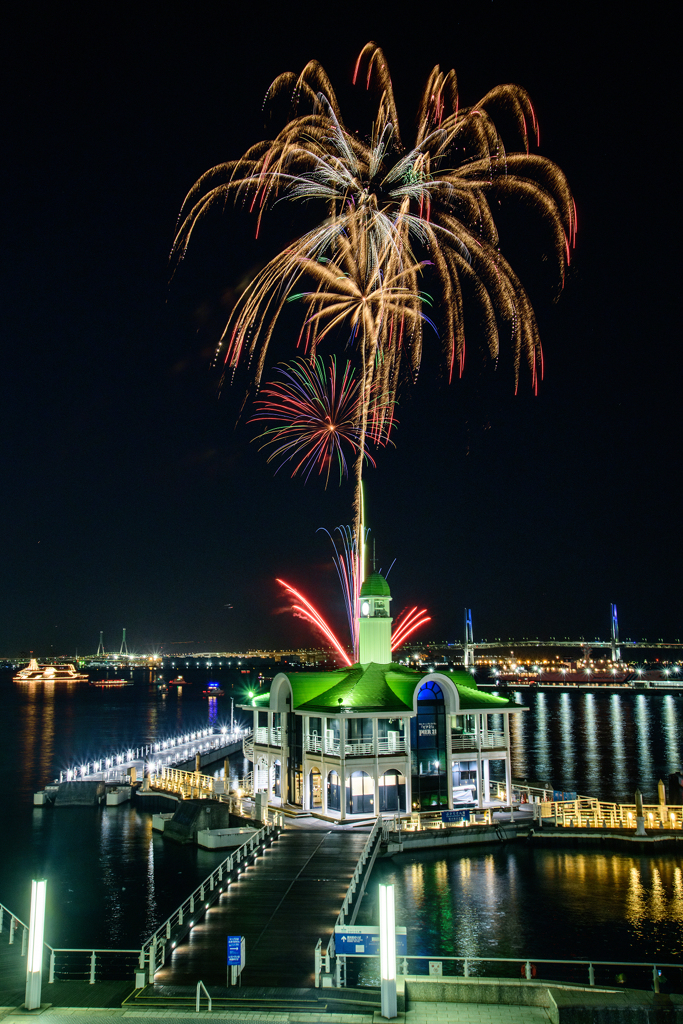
{"x": 375, "y": 621}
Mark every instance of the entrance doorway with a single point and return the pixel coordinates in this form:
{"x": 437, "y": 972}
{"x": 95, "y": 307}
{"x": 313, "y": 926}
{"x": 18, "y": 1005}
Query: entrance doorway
{"x": 316, "y": 789}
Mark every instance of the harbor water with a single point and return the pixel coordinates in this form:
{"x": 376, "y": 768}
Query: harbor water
{"x": 112, "y": 881}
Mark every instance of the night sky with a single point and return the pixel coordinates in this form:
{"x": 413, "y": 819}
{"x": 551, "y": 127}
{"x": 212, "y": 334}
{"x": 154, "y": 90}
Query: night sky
{"x": 131, "y": 498}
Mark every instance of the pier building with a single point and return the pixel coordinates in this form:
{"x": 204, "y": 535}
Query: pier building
{"x": 377, "y": 737}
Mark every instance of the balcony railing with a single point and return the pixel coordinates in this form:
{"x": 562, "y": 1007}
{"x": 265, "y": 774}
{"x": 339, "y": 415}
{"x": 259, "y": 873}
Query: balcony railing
{"x": 261, "y": 736}
{"x": 468, "y": 741}
{"x": 354, "y": 748}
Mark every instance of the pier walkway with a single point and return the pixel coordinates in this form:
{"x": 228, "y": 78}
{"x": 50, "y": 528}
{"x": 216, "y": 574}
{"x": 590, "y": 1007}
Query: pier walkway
{"x": 282, "y": 904}
{"x": 175, "y": 751}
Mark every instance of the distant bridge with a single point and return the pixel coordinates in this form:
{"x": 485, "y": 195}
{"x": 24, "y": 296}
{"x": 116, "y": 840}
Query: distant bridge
{"x": 614, "y": 644}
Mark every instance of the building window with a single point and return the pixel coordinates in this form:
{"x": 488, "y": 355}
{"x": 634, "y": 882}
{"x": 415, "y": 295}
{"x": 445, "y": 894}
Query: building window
{"x": 392, "y": 791}
{"x": 360, "y": 794}
{"x": 464, "y": 782}
{"x": 428, "y": 749}
{"x": 333, "y": 792}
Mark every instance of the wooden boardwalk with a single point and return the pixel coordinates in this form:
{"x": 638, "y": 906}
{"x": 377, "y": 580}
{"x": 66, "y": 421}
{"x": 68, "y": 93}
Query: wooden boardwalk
{"x": 282, "y": 905}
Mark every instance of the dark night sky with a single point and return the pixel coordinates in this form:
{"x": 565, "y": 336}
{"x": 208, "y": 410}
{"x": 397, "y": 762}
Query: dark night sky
{"x": 129, "y": 497}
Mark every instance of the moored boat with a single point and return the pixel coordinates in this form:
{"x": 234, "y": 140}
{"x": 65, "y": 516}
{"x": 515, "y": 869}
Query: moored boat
{"x": 57, "y": 673}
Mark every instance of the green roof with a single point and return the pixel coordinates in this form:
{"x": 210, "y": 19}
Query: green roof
{"x": 375, "y": 586}
{"x": 379, "y": 688}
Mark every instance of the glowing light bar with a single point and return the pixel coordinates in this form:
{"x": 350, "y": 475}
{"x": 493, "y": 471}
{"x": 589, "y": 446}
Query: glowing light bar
{"x": 312, "y": 615}
{"x": 36, "y": 932}
{"x": 387, "y": 949}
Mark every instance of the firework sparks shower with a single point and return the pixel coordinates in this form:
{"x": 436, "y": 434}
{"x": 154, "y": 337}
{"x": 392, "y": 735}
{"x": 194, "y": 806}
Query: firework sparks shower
{"x": 395, "y": 217}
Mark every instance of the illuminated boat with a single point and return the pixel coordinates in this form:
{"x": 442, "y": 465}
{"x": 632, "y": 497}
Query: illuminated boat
{"x": 178, "y": 682}
{"x": 214, "y": 690}
{"x": 110, "y": 683}
{"x": 62, "y": 673}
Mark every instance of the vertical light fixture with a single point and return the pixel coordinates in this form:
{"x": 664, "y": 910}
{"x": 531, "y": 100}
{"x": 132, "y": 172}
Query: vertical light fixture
{"x": 36, "y": 932}
{"x": 387, "y": 949}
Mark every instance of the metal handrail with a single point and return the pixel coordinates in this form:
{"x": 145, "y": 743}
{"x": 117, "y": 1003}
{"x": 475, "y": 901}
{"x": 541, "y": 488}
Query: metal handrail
{"x": 528, "y": 962}
{"x": 201, "y": 985}
{"x": 203, "y": 740}
{"x": 154, "y": 948}
{"x": 348, "y": 898}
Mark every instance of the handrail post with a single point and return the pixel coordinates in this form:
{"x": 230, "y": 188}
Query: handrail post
{"x": 51, "y": 976}
{"x": 591, "y": 974}
{"x": 655, "y": 979}
{"x": 92, "y": 967}
{"x": 467, "y": 968}
{"x": 527, "y": 972}
{"x": 12, "y": 927}
{"x": 318, "y": 959}
{"x": 24, "y": 936}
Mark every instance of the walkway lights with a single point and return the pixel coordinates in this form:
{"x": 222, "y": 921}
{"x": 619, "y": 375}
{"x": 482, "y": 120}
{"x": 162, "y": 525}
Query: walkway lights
{"x": 36, "y": 932}
{"x": 387, "y": 949}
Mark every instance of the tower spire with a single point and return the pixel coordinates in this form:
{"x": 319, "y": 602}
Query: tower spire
{"x": 100, "y": 649}
{"x": 124, "y": 646}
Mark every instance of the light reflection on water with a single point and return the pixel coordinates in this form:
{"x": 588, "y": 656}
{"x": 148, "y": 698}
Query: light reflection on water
{"x": 112, "y": 880}
{"x": 518, "y": 901}
{"x": 599, "y": 743}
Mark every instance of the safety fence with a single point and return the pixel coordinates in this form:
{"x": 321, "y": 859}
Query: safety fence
{"x": 589, "y": 812}
{"x": 363, "y": 969}
{"x": 165, "y": 751}
{"x": 85, "y": 964}
{"x": 352, "y": 899}
{"x": 164, "y": 940}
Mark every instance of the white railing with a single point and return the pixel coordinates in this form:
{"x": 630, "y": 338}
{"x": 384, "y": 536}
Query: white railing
{"x": 200, "y": 986}
{"x": 528, "y": 968}
{"x": 76, "y": 963}
{"x": 155, "y": 949}
{"x": 261, "y": 736}
{"x": 354, "y": 894}
{"x": 162, "y": 752}
{"x": 354, "y": 748}
{"x": 468, "y": 741}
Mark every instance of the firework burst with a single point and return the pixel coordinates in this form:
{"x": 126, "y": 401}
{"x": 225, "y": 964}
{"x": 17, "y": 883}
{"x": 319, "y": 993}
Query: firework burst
{"x": 314, "y": 416}
{"x": 392, "y": 214}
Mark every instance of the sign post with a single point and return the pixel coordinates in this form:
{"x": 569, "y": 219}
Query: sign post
{"x": 236, "y": 958}
{"x": 36, "y": 932}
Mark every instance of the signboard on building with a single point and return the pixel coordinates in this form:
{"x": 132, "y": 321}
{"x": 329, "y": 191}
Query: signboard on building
{"x": 559, "y": 796}
{"x": 427, "y": 729}
{"x": 450, "y": 817}
{"x": 363, "y": 940}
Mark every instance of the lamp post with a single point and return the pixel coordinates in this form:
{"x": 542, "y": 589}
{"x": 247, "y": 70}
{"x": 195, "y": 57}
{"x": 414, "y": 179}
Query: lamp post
{"x": 387, "y": 949}
{"x": 36, "y": 931}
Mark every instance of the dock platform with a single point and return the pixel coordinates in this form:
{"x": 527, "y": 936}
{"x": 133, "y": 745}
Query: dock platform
{"x": 282, "y": 904}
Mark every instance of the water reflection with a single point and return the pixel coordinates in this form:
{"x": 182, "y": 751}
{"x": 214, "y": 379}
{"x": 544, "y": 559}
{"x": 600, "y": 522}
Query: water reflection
{"x": 542, "y": 741}
{"x": 644, "y": 740}
{"x": 671, "y": 726}
{"x": 535, "y": 902}
{"x": 589, "y": 733}
{"x": 568, "y": 765}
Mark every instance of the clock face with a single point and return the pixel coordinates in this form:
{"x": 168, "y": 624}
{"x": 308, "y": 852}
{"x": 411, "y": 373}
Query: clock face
{"x": 365, "y": 608}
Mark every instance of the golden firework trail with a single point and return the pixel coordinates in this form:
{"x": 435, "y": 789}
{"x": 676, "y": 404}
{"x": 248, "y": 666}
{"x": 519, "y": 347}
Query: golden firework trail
{"x": 393, "y": 215}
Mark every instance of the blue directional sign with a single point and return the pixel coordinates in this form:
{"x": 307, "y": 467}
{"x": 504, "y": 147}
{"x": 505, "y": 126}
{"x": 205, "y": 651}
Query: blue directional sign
{"x": 559, "y": 796}
{"x": 448, "y": 817}
{"x": 235, "y": 950}
{"x": 363, "y": 940}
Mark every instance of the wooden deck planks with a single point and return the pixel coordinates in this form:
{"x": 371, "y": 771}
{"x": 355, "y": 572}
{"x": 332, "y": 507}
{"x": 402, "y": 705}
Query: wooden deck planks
{"x": 282, "y": 905}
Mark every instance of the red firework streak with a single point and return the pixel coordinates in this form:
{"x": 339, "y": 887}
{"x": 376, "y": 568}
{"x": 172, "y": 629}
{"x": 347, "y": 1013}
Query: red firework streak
{"x": 407, "y": 625}
{"x": 307, "y": 611}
